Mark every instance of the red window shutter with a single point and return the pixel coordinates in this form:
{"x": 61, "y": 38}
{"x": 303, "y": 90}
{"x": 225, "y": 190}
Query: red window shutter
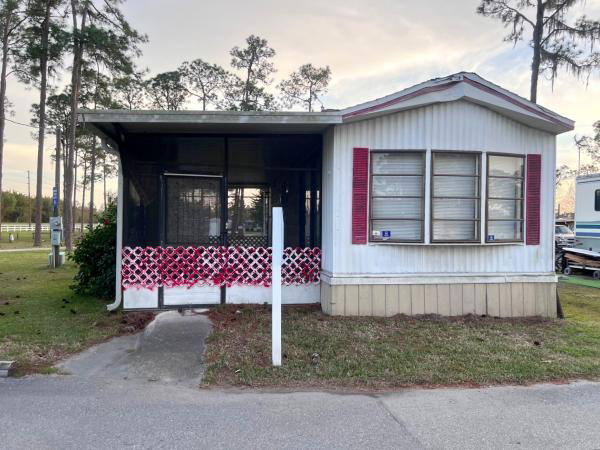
{"x": 360, "y": 195}
{"x": 533, "y": 198}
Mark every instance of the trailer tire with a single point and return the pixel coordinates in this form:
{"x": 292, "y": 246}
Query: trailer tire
{"x": 596, "y": 274}
{"x": 568, "y": 271}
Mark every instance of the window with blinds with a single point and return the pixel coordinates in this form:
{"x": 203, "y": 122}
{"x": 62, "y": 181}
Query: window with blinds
{"x": 455, "y": 197}
{"x": 397, "y": 196}
{"x": 505, "y": 198}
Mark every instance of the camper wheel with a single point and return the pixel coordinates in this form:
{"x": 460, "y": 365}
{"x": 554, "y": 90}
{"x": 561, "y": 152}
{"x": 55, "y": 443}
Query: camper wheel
{"x": 568, "y": 271}
{"x": 596, "y": 274}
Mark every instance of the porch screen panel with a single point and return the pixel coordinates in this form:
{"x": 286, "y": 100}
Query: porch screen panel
{"x": 193, "y": 211}
{"x": 397, "y": 196}
{"x": 455, "y": 197}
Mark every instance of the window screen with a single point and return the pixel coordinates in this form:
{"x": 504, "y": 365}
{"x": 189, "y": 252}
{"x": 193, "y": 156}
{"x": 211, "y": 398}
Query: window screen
{"x": 505, "y": 198}
{"x": 397, "y": 196}
{"x": 455, "y": 197}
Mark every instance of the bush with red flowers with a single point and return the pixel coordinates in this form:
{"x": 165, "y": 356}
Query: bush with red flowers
{"x": 95, "y": 256}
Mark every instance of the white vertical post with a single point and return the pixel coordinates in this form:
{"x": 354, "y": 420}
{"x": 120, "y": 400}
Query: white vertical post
{"x": 120, "y": 200}
{"x": 277, "y": 257}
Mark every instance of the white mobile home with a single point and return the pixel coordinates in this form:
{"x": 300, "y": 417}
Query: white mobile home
{"x": 435, "y": 199}
{"x": 587, "y": 212}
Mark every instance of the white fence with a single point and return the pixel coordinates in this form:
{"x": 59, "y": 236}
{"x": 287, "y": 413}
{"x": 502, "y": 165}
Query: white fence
{"x": 17, "y": 227}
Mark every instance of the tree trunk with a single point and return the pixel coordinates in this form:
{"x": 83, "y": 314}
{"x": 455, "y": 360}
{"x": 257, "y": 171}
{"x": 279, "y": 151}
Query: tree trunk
{"x": 75, "y": 86}
{"x": 37, "y": 242}
{"x": 5, "y": 37}
{"x": 92, "y": 182}
{"x": 538, "y": 33}
{"x": 74, "y": 202}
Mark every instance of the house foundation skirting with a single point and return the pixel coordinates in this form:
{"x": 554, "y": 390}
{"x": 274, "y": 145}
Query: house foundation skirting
{"x": 507, "y": 299}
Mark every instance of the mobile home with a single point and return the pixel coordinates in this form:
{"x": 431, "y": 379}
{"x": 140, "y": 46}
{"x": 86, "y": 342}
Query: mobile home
{"x": 437, "y": 199}
{"x": 587, "y": 212}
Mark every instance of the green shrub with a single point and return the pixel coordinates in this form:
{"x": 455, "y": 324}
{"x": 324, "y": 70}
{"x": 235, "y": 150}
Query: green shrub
{"x": 95, "y": 256}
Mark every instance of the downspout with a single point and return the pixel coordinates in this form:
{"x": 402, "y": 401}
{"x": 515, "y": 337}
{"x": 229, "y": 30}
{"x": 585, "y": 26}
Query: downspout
{"x": 118, "y": 288}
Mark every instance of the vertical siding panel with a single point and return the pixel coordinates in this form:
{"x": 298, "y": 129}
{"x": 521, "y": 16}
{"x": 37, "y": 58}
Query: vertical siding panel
{"x": 468, "y": 299}
{"x": 517, "y": 306}
{"x": 505, "y": 300}
{"x": 541, "y": 307}
{"x": 351, "y": 300}
{"x": 392, "y": 304}
{"x": 493, "y": 299}
{"x": 480, "y": 299}
{"x": 443, "y": 293}
{"x": 417, "y": 293}
{"x": 552, "y": 307}
{"x": 378, "y": 300}
{"x": 456, "y": 306}
{"x": 365, "y": 300}
{"x": 529, "y": 299}
{"x": 404, "y": 299}
{"x": 337, "y": 300}
{"x": 431, "y": 304}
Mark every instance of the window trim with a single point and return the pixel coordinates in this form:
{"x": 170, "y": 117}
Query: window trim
{"x": 521, "y": 199}
{"x": 477, "y": 240}
{"x": 423, "y": 154}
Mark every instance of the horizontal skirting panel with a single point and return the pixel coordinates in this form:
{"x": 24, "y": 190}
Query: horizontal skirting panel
{"x": 290, "y": 295}
{"x": 492, "y": 299}
{"x": 438, "y": 278}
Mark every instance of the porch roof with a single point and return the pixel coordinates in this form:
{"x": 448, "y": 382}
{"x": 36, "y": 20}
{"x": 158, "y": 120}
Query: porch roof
{"x": 113, "y": 122}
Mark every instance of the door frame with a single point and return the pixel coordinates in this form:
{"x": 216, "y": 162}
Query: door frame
{"x": 163, "y": 229}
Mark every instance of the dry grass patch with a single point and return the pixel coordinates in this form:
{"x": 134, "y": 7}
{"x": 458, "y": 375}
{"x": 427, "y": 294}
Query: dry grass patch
{"x": 378, "y": 353}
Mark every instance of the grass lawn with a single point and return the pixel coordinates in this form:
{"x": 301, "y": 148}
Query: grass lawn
{"x": 23, "y": 239}
{"x": 376, "y": 353}
{"x": 42, "y": 320}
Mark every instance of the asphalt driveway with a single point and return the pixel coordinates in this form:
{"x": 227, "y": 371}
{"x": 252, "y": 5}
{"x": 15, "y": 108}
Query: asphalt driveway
{"x": 142, "y": 392}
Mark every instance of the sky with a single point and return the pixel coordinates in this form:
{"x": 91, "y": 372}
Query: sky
{"x": 373, "y": 47}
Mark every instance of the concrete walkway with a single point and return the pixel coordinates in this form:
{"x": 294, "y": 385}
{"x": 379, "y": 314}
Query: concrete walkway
{"x": 169, "y": 351}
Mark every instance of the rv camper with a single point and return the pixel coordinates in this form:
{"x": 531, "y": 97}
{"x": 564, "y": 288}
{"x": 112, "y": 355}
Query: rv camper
{"x": 587, "y": 212}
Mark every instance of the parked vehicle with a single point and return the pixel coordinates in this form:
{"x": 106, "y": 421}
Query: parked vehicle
{"x": 564, "y": 236}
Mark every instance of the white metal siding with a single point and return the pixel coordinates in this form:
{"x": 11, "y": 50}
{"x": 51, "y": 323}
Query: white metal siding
{"x": 585, "y": 200}
{"x": 457, "y": 125}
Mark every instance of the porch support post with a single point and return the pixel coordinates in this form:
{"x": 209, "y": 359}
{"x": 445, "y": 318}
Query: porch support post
{"x": 277, "y": 257}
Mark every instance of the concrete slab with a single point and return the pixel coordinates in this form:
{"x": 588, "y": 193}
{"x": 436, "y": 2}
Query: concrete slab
{"x": 168, "y": 351}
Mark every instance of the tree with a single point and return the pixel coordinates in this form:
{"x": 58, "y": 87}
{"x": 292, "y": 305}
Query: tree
{"x": 591, "y": 146}
{"x": 104, "y": 32}
{"x": 130, "y": 91}
{"x": 557, "y": 41}
{"x": 305, "y": 86}
{"x": 563, "y": 173}
{"x": 167, "y": 91}
{"x": 248, "y": 93}
{"x": 44, "y": 48}
{"x": 12, "y": 19}
{"x": 204, "y": 81}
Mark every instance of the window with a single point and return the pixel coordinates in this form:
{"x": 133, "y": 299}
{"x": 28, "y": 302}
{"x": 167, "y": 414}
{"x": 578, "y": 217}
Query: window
{"x": 597, "y": 200}
{"x": 505, "y": 198}
{"x": 397, "y": 196}
{"x": 455, "y": 197}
